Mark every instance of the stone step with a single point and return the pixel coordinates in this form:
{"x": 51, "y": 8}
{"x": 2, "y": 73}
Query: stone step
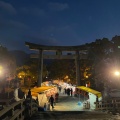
{"x": 74, "y": 115}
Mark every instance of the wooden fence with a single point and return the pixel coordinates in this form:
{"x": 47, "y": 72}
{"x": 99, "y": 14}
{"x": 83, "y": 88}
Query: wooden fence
{"x": 112, "y": 105}
{"x": 20, "y": 110}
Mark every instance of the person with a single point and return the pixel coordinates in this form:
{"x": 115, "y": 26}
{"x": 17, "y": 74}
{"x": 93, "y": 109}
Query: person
{"x": 59, "y": 89}
{"x": 29, "y": 94}
{"x": 45, "y": 107}
{"x": 68, "y": 91}
{"x": 65, "y": 91}
{"x": 56, "y": 97}
{"x": 51, "y": 100}
{"x": 71, "y": 91}
{"x": 18, "y": 93}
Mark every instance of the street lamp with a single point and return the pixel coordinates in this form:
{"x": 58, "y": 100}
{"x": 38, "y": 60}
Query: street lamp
{"x": 5, "y": 80}
{"x": 117, "y": 78}
{"x": 117, "y": 73}
{"x": 1, "y": 70}
{"x": 86, "y": 76}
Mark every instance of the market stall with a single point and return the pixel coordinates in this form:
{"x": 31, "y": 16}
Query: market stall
{"x": 43, "y": 94}
{"x": 91, "y": 95}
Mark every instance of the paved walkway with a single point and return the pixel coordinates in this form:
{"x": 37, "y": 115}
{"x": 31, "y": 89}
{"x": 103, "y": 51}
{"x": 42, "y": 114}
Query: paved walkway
{"x": 67, "y": 108}
{"x": 73, "y": 115}
{"x": 68, "y": 103}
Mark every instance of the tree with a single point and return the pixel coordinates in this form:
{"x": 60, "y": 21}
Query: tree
{"x": 61, "y": 68}
{"x": 29, "y": 72}
{"x": 99, "y": 53}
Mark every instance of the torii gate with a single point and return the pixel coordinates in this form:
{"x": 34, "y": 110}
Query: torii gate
{"x": 77, "y": 56}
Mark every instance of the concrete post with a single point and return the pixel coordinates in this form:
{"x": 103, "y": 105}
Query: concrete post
{"x": 77, "y": 68}
{"x": 40, "y": 68}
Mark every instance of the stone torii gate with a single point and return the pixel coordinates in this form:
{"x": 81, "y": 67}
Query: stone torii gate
{"x": 59, "y": 49}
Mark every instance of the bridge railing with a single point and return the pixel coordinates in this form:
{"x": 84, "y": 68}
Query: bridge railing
{"x": 19, "y": 110}
{"x": 109, "y": 105}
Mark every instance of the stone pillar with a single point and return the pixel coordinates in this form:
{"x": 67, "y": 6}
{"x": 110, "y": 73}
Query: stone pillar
{"x": 77, "y": 63}
{"x": 40, "y": 68}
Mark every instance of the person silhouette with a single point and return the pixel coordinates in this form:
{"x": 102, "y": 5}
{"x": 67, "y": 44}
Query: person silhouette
{"x": 18, "y": 93}
{"x": 71, "y": 91}
{"x": 51, "y": 100}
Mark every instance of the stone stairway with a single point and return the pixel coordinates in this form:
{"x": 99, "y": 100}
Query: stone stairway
{"x": 74, "y": 115}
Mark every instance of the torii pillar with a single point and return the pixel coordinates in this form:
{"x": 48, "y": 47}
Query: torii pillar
{"x": 77, "y": 61}
{"x": 40, "y": 68}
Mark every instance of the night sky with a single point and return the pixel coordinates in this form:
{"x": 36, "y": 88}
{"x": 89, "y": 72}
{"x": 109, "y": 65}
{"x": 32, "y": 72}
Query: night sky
{"x": 57, "y": 22}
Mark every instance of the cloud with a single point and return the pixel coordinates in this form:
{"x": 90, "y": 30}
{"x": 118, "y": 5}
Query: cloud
{"x": 17, "y": 24}
{"x": 63, "y": 34}
{"x": 11, "y": 24}
{"x": 34, "y": 11}
{"x": 13, "y": 41}
{"x": 58, "y": 6}
{"x": 7, "y": 7}
{"x": 38, "y": 12}
{"x": 41, "y": 40}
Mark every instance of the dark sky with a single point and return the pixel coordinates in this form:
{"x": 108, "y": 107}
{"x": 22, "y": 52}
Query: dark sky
{"x": 57, "y": 22}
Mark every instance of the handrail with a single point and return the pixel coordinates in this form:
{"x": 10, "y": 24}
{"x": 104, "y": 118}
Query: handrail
{"x": 19, "y": 110}
{"x": 109, "y": 105}
{"x": 9, "y": 110}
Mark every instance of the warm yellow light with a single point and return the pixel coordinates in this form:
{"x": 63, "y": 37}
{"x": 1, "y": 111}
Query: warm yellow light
{"x": 117, "y": 73}
{"x": 66, "y": 77}
{"x": 1, "y": 70}
{"x": 1, "y": 67}
{"x": 20, "y": 76}
{"x": 86, "y": 76}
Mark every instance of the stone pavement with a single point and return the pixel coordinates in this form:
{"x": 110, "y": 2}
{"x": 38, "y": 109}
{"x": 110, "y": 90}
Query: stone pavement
{"x": 73, "y": 115}
{"x": 67, "y": 108}
{"x": 68, "y": 103}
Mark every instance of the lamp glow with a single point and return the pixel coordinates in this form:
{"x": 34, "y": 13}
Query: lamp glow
{"x": 1, "y": 70}
{"x": 117, "y": 73}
